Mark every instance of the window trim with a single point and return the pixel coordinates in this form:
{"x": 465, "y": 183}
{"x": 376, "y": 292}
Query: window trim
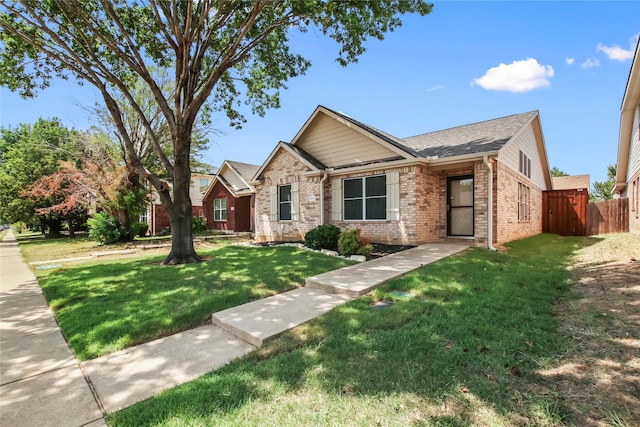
{"x": 286, "y": 202}
{"x": 364, "y": 198}
{"x": 220, "y": 210}
{"x": 524, "y": 203}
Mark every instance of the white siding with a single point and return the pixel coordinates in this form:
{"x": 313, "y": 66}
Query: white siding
{"x": 335, "y": 144}
{"x": 634, "y": 149}
{"x": 525, "y": 142}
{"x": 194, "y": 188}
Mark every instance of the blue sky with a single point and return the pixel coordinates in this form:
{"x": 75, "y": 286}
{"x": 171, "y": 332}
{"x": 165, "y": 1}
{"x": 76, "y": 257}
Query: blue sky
{"x": 465, "y": 62}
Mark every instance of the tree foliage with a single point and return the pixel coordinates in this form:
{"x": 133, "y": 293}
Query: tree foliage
{"x": 556, "y": 172}
{"x": 602, "y": 190}
{"x": 221, "y": 54}
{"x": 27, "y": 153}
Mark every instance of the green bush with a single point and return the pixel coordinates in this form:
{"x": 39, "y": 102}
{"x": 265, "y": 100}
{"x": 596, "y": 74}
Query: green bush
{"x": 104, "y": 228}
{"x": 322, "y": 237}
{"x": 139, "y": 229}
{"x": 351, "y": 243}
{"x": 198, "y": 224}
{"x": 18, "y": 227}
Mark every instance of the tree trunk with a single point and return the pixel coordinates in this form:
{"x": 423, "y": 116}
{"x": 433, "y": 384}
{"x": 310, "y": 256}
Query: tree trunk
{"x": 125, "y": 225}
{"x": 179, "y": 207}
{"x": 72, "y": 233}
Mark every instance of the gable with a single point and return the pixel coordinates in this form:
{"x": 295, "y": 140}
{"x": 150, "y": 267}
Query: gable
{"x": 529, "y": 142}
{"x": 234, "y": 181}
{"x": 337, "y": 144}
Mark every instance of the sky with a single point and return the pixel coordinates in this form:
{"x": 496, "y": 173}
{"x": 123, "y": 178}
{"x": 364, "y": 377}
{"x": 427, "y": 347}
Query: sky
{"x": 464, "y": 63}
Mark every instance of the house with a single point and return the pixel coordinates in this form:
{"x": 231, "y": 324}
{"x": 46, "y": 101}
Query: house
{"x": 229, "y": 201}
{"x": 157, "y": 217}
{"x": 480, "y": 183}
{"x": 572, "y": 182}
{"x": 628, "y": 171}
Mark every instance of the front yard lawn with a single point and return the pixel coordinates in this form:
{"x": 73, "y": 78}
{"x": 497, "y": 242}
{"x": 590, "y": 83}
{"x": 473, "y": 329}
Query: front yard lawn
{"x": 465, "y": 347}
{"x": 110, "y": 305}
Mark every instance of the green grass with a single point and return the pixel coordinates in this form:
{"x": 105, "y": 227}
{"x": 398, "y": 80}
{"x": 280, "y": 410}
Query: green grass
{"x": 35, "y": 247}
{"x": 464, "y": 351}
{"x": 107, "y": 306}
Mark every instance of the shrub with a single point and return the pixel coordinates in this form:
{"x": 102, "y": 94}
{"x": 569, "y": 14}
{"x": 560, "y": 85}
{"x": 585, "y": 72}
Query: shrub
{"x": 139, "y": 229}
{"x": 322, "y": 237}
{"x": 18, "y": 227}
{"x": 104, "y": 228}
{"x": 198, "y": 224}
{"x": 351, "y": 243}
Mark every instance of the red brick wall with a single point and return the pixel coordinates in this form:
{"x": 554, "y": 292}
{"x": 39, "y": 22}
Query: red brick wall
{"x": 239, "y": 210}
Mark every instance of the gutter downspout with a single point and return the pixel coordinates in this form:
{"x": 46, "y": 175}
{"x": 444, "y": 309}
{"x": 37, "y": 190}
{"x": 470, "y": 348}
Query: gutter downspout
{"x": 324, "y": 178}
{"x": 487, "y": 163}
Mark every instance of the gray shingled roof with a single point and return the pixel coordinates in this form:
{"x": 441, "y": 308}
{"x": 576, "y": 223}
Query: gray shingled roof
{"x": 245, "y": 170}
{"x": 475, "y": 138}
{"x": 308, "y": 157}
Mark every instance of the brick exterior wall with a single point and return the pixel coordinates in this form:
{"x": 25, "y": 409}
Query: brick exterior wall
{"x": 422, "y": 208}
{"x": 510, "y": 228}
{"x": 285, "y": 168}
{"x": 238, "y": 210}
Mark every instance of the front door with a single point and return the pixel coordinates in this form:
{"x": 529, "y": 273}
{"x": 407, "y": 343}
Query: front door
{"x": 460, "y": 206}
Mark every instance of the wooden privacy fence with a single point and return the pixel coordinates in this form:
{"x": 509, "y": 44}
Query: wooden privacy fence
{"x": 565, "y": 212}
{"x": 608, "y": 216}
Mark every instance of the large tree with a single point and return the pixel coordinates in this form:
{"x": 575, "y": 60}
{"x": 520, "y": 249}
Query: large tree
{"x": 603, "y": 190}
{"x": 219, "y": 52}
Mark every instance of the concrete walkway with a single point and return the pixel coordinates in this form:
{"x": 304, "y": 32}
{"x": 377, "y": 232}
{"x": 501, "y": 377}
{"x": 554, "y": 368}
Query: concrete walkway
{"x": 42, "y": 383}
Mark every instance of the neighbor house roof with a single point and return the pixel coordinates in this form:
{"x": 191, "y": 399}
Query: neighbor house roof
{"x": 240, "y": 186}
{"x": 476, "y": 138}
{"x": 630, "y": 102}
{"x": 571, "y": 182}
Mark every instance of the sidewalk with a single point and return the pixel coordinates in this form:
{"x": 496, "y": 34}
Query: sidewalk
{"x": 41, "y": 383}
{"x": 32, "y": 377}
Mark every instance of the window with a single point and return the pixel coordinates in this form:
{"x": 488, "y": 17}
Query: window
{"x": 144, "y": 216}
{"x": 220, "y": 209}
{"x": 525, "y": 165}
{"x": 365, "y": 198}
{"x": 204, "y": 184}
{"x": 284, "y": 203}
{"x": 635, "y": 194}
{"x": 524, "y": 203}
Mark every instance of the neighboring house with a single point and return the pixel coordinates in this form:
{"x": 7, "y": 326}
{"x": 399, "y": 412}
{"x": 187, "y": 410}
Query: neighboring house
{"x": 229, "y": 201}
{"x": 572, "y": 182}
{"x": 628, "y": 165}
{"x": 480, "y": 183}
{"x": 157, "y": 217}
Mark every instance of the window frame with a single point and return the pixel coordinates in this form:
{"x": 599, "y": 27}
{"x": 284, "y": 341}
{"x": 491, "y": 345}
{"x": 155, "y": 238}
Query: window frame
{"x": 524, "y": 202}
{"x": 364, "y": 198}
{"x": 219, "y": 209}
{"x": 285, "y": 202}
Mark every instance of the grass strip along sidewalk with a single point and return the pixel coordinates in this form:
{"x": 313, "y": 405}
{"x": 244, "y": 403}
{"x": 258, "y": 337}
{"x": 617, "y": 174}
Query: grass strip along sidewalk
{"x": 460, "y": 345}
{"x": 107, "y": 306}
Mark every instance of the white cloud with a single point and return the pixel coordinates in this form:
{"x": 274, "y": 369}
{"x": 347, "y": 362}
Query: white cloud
{"x": 435, "y": 88}
{"x": 517, "y": 77}
{"x": 615, "y": 52}
{"x": 590, "y": 63}
{"x": 569, "y": 61}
